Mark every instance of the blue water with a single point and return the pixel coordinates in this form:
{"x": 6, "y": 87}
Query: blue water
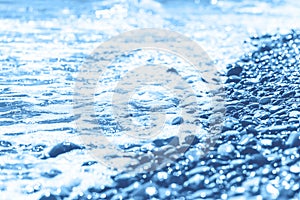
{"x": 43, "y": 45}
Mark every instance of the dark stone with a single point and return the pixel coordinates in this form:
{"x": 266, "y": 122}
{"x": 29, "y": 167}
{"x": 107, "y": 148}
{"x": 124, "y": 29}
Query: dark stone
{"x": 191, "y": 140}
{"x": 258, "y": 159}
{"x": 62, "y": 148}
{"x": 293, "y": 140}
{"x": 237, "y": 70}
{"x": 124, "y": 180}
{"x": 247, "y": 123}
{"x": 249, "y": 151}
{"x": 177, "y": 121}
{"x": 265, "y": 100}
{"x": 289, "y": 94}
{"x": 174, "y": 141}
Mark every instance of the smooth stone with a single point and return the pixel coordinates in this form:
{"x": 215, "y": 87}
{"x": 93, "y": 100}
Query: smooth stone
{"x": 249, "y": 151}
{"x": 251, "y": 130}
{"x": 124, "y": 180}
{"x": 261, "y": 114}
{"x": 265, "y": 100}
{"x": 258, "y": 159}
{"x": 177, "y": 121}
{"x": 195, "y": 182}
{"x": 247, "y": 122}
{"x": 293, "y": 140}
{"x": 289, "y": 94}
{"x": 274, "y": 109}
{"x": 174, "y": 141}
{"x": 193, "y": 155}
{"x": 62, "y": 148}
{"x": 253, "y": 105}
{"x": 191, "y": 139}
{"x": 237, "y": 70}
{"x": 226, "y": 149}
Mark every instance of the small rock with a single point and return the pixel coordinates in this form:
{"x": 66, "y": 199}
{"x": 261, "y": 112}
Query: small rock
{"x": 177, "y": 121}
{"x": 258, "y": 159}
{"x": 293, "y": 140}
{"x": 62, "y": 148}
{"x": 226, "y": 149}
{"x": 265, "y": 100}
{"x": 193, "y": 155}
{"x": 237, "y": 70}
{"x": 195, "y": 182}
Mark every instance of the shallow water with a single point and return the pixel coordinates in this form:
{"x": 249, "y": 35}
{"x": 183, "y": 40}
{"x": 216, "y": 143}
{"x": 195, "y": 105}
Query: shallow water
{"x": 42, "y": 47}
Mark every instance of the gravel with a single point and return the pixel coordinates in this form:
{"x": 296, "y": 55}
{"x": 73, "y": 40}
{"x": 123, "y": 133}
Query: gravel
{"x": 257, "y": 154}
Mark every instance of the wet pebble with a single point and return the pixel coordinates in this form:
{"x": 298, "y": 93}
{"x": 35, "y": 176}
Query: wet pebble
{"x": 293, "y": 140}
{"x": 226, "y": 149}
{"x": 177, "y": 121}
{"x": 237, "y": 70}
{"x": 258, "y": 159}
{"x": 62, "y": 148}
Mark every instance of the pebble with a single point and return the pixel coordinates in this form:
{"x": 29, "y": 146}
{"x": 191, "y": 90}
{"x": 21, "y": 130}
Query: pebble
{"x": 193, "y": 155}
{"x": 226, "y": 149}
{"x": 237, "y": 70}
{"x": 62, "y": 148}
{"x": 257, "y": 130}
{"x": 293, "y": 140}
{"x": 195, "y": 182}
{"x": 177, "y": 121}
{"x": 258, "y": 159}
{"x": 265, "y": 100}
